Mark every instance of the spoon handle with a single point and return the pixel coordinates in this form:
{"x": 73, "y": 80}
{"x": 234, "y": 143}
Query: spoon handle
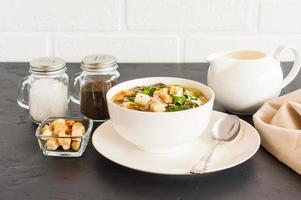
{"x": 201, "y": 166}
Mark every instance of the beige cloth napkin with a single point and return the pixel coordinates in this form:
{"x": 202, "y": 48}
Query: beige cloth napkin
{"x": 278, "y": 122}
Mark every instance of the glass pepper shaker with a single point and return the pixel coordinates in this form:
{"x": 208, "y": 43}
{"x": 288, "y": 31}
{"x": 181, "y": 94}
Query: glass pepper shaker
{"x": 99, "y": 74}
{"x": 45, "y": 91}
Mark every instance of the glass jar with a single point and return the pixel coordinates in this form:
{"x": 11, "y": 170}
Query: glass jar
{"x": 91, "y": 85}
{"x": 45, "y": 91}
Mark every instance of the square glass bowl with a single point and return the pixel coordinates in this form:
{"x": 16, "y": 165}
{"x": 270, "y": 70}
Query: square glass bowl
{"x": 60, "y": 152}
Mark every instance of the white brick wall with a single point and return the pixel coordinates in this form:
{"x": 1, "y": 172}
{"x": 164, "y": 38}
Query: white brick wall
{"x": 145, "y": 30}
{"x": 185, "y": 15}
{"x": 59, "y": 15}
{"x": 127, "y": 48}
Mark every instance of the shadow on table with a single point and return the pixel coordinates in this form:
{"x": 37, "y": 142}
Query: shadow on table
{"x": 137, "y": 184}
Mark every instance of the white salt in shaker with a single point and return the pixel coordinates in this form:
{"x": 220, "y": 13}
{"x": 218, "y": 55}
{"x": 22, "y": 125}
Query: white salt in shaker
{"x": 47, "y": 89}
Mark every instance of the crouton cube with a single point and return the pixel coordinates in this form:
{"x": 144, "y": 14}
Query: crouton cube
{"x": 52, "y": 144}
{"x": 176, "y": 91}
{"x": 59, "y": 126}
{"x": 64, "y": 142}
{"x": 157, "y": 106}
{"x": 46, "y": 127}
{"x": 165, "y": 97}
{"x": 59, "y": 122}
{"x": 129, "y": 105}
{"x": 75, "y": 145}
{"x": 69, "y": 123}
{"x": 142, "y": 99}
{"x": 78, "y": 129}
{"x": 125, "y": 93}
{"x": 46, "y": 134}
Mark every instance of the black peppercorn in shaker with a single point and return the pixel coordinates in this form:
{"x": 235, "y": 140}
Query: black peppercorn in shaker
{"x": 98, "y": 76}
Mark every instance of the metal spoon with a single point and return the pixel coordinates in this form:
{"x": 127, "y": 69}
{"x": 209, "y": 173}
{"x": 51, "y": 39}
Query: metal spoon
{"x": 224, "y": 130}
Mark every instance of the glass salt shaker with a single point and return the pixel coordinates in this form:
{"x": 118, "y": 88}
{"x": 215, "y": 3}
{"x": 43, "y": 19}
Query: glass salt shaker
{"x": 99, "y": 74}
{"x": 45, "y": 91}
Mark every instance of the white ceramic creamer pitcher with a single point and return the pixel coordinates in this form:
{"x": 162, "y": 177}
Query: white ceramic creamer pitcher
{"x": 244, "y": 80}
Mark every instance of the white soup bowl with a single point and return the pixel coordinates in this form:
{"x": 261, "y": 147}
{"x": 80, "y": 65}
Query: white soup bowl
{"x": 160, "y": 132}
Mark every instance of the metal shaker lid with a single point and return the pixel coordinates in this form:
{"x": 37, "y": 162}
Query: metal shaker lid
{"x": 47, "y": 65}
{"x": 99, "y": 62}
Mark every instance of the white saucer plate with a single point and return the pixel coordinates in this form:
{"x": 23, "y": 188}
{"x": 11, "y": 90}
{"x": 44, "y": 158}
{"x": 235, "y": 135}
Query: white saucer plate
{"x": 109, "y": 144}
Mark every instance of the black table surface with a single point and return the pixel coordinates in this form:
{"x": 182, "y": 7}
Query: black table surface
{"x": 26, "y": 174}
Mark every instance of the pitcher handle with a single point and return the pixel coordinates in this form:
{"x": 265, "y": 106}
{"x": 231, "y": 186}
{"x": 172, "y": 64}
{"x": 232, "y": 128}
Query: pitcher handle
{"x": 296, "y": 67}
{"x": 74, "y": 88}
{"x": 22, "y": 102}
